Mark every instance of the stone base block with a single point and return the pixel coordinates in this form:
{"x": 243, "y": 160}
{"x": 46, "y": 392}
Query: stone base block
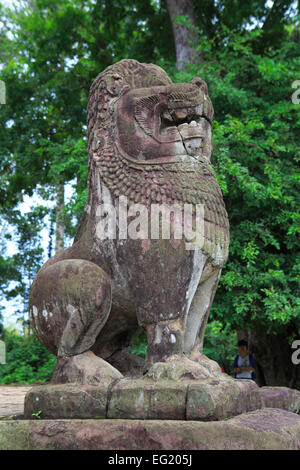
{"x": 206, "y": 400}
{"x": 223, "y": 398}
{"x": 265, "y": 429}
{"x": 72, "y": 401}
{"x": 281, "y": 397}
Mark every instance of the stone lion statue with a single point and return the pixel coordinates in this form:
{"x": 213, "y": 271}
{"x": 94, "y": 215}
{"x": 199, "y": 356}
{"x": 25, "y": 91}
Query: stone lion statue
{"x": 149, "y": 142}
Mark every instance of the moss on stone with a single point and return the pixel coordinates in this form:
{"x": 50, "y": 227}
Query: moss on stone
{"x": 15, "y": 435}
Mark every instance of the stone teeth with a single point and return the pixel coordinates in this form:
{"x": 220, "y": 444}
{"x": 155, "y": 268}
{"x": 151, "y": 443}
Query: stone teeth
{"x": 193, "y": 123}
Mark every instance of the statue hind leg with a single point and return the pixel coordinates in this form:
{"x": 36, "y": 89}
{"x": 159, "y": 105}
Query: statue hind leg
{"x": 69, "y": 304}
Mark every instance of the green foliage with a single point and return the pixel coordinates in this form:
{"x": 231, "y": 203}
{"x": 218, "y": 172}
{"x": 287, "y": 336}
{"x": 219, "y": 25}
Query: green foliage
{"x": 27, "y": 361}
{"x": 237, "y": 16}
{"x": 18, "y": 270}
{"x": 63, "y": 46}
{"x": 37, "y": 415}
{"x": 220, "y": 344}
{"x": 139, "y": 345}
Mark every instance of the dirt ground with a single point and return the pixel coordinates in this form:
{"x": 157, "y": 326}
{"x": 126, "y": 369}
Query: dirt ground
{"x": 12, "y": 399}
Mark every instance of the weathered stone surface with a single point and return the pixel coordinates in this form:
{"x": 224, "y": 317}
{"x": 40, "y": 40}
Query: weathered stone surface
{"x": 217, "y": 399}
{"x": 211, "y": 366}
{"x": 85, "y": 368}
{"x": 130, "y": 365}
{"x": 178, "y": 368}
{"x": 266, "y": 429}
{"x": 149, "y": 142}
{"x": 66, "y": 401}
{"x": 281, "y": 397}
{"x": 69, "y": 298}
{"x": 145, "y": 399}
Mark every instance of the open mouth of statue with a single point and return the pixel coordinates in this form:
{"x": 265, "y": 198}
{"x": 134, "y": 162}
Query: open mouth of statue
{"x": 185, "y": 125}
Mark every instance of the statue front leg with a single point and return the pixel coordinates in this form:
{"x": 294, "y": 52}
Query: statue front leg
{"x": 178, "y": 343}
{"x": 165, "y": 339}
{"x": 197, "y": 321}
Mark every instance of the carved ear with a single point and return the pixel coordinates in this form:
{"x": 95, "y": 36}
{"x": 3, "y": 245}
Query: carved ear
{"x": 200, "y": 83}
{"x": 115, "y": 84}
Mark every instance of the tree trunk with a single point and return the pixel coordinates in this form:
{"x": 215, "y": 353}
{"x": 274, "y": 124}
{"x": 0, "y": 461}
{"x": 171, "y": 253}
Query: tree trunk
{"x": 60, "y": 222}
{"x": 185, "y": 35}
{"x": 273, "y": 357}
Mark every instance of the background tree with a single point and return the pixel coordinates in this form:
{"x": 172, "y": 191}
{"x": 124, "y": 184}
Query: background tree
{"x": 185, "y": 31}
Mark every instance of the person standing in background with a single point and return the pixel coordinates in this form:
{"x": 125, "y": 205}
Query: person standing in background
{"x": 244, "y": 363}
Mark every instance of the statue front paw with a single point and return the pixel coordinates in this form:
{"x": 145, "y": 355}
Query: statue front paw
{"x": 178, "y": 367}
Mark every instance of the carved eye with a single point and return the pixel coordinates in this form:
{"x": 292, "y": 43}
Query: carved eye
{"x": 200, "y": 84}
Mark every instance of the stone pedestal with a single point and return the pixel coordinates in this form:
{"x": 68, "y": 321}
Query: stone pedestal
{"x": 265, "y": 429}
{"x": 211, "y": 399}
{"x": 217, "y": 413}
